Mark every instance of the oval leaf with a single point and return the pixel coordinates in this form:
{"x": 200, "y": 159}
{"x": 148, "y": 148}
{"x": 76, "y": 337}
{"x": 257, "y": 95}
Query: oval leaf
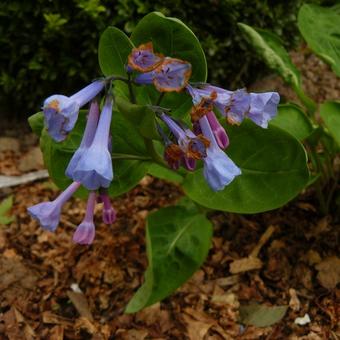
{"x": 178, "y": 241}
{"x": 274, "y": 170}
{"x": 292, "y": 119}
{"x": 320, "y": 28}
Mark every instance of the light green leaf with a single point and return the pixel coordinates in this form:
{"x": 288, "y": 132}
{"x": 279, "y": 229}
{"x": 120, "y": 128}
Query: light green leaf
{"x": 320, "y": 28}
{"x": 274, "y": 170}
{"x": 261, "y": 315}
{"x": 178, "y": 241}
{"x": 164, "y": 173}
{"x": 330, "y": 113}
{"x": 269, "y": 46}
{"x": 292, "y": 119}
{"x": 36, "y": 123}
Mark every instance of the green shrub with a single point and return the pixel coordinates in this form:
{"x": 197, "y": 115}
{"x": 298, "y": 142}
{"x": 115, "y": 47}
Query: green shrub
{"x": 53, "y": 44}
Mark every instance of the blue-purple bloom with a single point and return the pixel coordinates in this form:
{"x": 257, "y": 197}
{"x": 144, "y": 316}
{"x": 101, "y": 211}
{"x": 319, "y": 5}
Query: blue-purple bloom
{"x": 234, "y": 105}
{"x": 61, "y": 112}
{"x": 85, "y": 232}
{"x": 220, "y": 134}
{"x": 219, "y": 170}
{"x": 48, "y": 213}
{"x": 143, "y": 58}
{"x": 171, "y": 75}
{"x": 90, "y": 130}
{"x": 94, "y": 168}
{"x": 109, "y": 213}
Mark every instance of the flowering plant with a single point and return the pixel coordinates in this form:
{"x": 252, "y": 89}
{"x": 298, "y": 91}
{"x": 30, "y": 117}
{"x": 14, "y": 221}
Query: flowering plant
{"x": 160, "y": 117}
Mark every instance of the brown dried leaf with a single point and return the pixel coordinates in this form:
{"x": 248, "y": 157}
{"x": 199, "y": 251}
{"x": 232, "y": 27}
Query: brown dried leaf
{"x": 80, "y": 303}
{"x": 197, "y": 329}
{"x": 245, "y": 264}
{"x": 329, "y": 272}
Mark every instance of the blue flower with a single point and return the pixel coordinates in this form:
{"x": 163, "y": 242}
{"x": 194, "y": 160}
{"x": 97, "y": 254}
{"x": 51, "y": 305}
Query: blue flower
{"x": 94, "y": 168}
{"x": 219, "y": 170}
{"x": 61, "y": 112}
{"x": 143, "y": 59}
{"x": 48, "y": 213}
{"x": 172, "y": 75}
{"x": 109, "y": 213}
{"x": 90, "y": 130}
{"x": 85, "y": 232}
{"x": 218, "y": 130}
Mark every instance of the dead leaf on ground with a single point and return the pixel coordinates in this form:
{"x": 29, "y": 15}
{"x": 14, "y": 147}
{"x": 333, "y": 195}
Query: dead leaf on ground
{"x": 80, "y": 303}
{"x": 329, "y": 272}
{"x": 245, "y": 264}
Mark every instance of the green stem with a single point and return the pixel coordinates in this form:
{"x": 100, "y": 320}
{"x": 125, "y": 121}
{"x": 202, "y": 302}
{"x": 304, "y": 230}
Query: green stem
{"x": 132, "y": 94}
{"x": 124, "y": 156}
{"x": 308, "y": 102}
{"x": 160, "y": 98}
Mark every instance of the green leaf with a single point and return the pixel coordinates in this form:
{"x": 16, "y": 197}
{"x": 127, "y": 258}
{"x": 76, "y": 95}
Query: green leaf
{"x": 292, "y": 119}
{"x": 113, "y": 50}
{"x": 261, "y": 315}
{"x": 164, "y": 173}
{"x": 320, "y": 28}
{"x": 140, "y": 116}
{"x": 274, "y": 170}
{"x": 36, "y": 123}
{"x": 270, "y": 47}
{"x": 178, "y": 241}
{"x": 172, "y": 38}
{"x": 330, "y": 113}
{"x": 5, "y": 206}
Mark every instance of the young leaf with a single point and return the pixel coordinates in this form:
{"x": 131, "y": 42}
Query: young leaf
{"x": 261, "y": 315}
{"x": 36, "y": 123}
{"x": 5, "y": 206}
{"x": 172, "y": 38}
{"x": 141, "y": 116}
{"x": 292, "y": 119}
{"x": 178, "y": 241}
{"x": 269, "y": 47}
{"x": 320, "y": 28}
{"x": 164, "y": 173}
{"x": 274, "y": 170}
{"x": 330, "y": 113}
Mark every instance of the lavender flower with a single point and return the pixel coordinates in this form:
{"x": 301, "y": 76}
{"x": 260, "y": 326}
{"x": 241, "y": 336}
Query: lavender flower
{"x": 48, "y": 213}
{"x": 219, "y": 170}
{"x": 143, "y": 59}
{"x": 90, "y": 130}
{"x": 94, "y": 168}
{"x": 172, "y": 75}
{"x": 218, "y": 130}
{"x": 85, "y": 232}
{"x": 61, "y": 112}
{"x": 109, "y": 214}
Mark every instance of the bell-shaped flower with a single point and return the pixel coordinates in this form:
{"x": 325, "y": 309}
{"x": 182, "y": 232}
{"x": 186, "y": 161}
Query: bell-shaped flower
{"x": 263, "y": 107}
{"x": 219, "y": 170}
{"x": 90, "y": 130}
{"x": 171, "y": 75}
{"x": 48, "y": 213}
{"x": 109, "y": 213}
{"x": 143, "y": 58}
{"x": 94, "y": 168}
{"x": 61, "y": 112}
{"x": 218, "y": 130}
{"x": 86, "y": 230}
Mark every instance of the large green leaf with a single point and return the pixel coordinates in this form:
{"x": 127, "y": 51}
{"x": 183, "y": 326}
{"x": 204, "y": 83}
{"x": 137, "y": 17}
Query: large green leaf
{"x": 320, "y": 26}
{"x": 127, "y": 173}
{"x": 269, "y": 46}
{"x": 178, "y": 241}
{"x": 274, "y": 170}
{"x": 330, "y": 113}
{"x": 172, "y": 38}
{"x": 36, "y": 123}
{"x": 292, "y": 119}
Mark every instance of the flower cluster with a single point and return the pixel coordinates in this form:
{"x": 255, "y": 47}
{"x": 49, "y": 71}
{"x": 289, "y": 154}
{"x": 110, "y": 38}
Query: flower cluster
{"x": 91, "y": 164}
{"x": 208, "y": 138}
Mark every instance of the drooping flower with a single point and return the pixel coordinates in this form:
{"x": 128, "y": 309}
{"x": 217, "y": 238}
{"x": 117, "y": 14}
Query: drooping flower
{"x": 94, "y": 168}
{"x": 90, "y": 130}
{"x": 85, "y": 232}
{"x": 219, "y": 170}
{"x": 48, "y": 213}
{"x": 234, "y": 105}
{"x": 109, "y": 213}
{"x": 171, "y": 75}
{"x": 218, "y": 130}
{"x": 61, "y": 112}
{"x": 143, "y": 58}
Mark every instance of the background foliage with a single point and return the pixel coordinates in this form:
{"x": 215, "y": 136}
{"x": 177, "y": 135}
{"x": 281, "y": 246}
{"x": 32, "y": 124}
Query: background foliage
{"x": 44, "y": 43}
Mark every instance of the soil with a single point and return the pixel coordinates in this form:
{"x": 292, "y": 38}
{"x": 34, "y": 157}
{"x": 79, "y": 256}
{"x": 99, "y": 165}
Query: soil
{"x": 51, "y": 288}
